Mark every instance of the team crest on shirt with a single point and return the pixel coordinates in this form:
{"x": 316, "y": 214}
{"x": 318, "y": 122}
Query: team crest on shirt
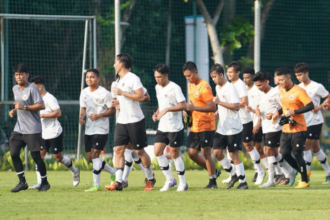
{"x": 196, "y": 95}
{"x": 291, "y": 97}
{"x": 165, "y": 95}
{"x": 224, "y": 96}
{"x": 270, "y": 100}
{"x": 123, "y": 84}
{"x": 96, "y": 100}
{"x": 25, "y": 97}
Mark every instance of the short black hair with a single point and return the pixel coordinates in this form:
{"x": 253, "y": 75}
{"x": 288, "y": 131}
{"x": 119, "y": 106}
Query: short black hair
{"x": 236, "y": 65}
{"x": 95, "y": 71}
{"x": 126, "y": 59}
{"x": 301, "y": 68}
{"x": 189, "y": 66}
{"x": 248, "y": 70}
{"x": 283, "y": 71}
{"x": 218, "y": 68}
{"x": 21, "y": 68}
{"x": 162, "y": 68}
{"x": 38, "y": 80}
{"x": 261, "y": 76}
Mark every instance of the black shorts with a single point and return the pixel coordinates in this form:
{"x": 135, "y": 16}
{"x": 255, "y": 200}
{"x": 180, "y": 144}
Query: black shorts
{"x": 257, "y": 138}
{"x": 293, "y": 141}
{"x": 175, "y": 139}
{"x": 132, "y": 132}
{"x": 55, "y": 144}
{"x": 201, "y": 139}
{"x": 314, "y": 132}
{"x": 247, "y": 134}
{"x": 233, "y": 142}
{"x": 272, "y": 139}
{"x": 95, "y": 141}
{"x": 33, "y": 141}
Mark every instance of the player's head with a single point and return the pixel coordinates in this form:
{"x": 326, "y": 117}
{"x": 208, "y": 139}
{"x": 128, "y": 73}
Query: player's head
{"x": 284, "y": 77}
{"x": 217, "y": 73}
{"x": 92, "y": 77}
{"x": 161, "y": 72}
{"x": 39, "y": 82}
{"x": 233, "y": 70}
{"x": 275, "y": 77}
{"x": 123, "y": 61}
{"x": 261, "y": 80}
{"x": 301, "y": 72}
{"x": 21, "y": 72}
{"x": 248, "y": 74}
{"x": 190, "y": 71}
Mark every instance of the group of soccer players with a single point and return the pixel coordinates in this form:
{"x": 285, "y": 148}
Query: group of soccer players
{"x": 277, "y": 126}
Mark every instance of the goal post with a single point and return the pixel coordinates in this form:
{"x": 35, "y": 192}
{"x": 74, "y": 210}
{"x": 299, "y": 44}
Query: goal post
{"x": 44, "y": 36}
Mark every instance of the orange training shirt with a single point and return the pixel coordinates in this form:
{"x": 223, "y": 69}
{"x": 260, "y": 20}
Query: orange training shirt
{"x": 199, "y": 95}
{"x": 294, "y": 99}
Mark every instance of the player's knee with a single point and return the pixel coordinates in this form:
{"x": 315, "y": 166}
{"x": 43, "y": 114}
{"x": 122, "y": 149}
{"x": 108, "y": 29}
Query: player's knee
{"x": 14, "y": 153}
{"x": 218, "y": 155}
{"x": 120, "y": 151}
{"x": 192, "y": 155}
{"x": 297, "y": 153}
{"x": 286, "y": 153}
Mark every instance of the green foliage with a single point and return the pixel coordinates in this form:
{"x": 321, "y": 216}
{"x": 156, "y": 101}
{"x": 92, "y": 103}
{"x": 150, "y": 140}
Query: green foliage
{"x": 236, "y": 34}
{"x": 246, "y": 62}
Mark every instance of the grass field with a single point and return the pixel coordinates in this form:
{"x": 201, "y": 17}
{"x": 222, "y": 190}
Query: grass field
{"x": 63, "y": 201}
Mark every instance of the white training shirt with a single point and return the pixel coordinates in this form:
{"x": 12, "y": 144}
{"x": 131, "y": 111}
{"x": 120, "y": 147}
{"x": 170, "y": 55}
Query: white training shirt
{"x": 229, "y": 120}
{"x": 254, "y": 98}
{"x": 316, "y": 91}
{"x": 169, "y": 96}
{"x": 270, "y": 103}
{"x": 130, "y": 110}
{"x": 51, "y": 127}
{"x": 242, "y": 92}
{"x": 96, "y": 102}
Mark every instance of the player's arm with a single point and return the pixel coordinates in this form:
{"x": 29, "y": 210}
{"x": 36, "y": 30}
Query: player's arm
{"x": 107, "y": 113}
{"x": 179, "y": 107}
{"x": 82, "y": 116}
{"x": 54, "y": 114}
{"x": 12, "y": 113}
{"x": 146, "y": 98}
{"x": 244, "y": 101}
{"x": 231, "y": 106}
{"x": 154, "y": 116}
{"x": 210, "y": 107}
{"x": 35, "y": 107}
{"x": 325, "y": 103}
{"x": 257, "y": 126}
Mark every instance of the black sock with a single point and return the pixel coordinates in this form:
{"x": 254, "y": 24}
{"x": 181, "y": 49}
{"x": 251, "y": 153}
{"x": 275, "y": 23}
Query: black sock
{"x": 301, "y": 164}
{"x": 21, "y": 177}
{"x": 41, "y": 166}
{"x": 17, "y": 163}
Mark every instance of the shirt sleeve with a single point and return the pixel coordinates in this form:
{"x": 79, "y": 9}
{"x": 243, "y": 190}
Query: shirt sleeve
{"x": 53, "y": 104}
{"x": 109, "y": 99}
{"x": 321, "y": 91}
{"x": 304, "y": 97}
{"x": 145, "y": 91}
{"x": 179, "y": 95}
{"x": 136, "y": 83}
{"x": 36, "y": 96}
{"x": 206, "y": 93}
{"x": 241, "y": 91}
{"x": 233, "y": 96}
{"x": 82, "y": 101}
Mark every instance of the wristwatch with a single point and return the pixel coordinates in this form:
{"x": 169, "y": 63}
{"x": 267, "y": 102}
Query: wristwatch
{"x": 24, "y": 107}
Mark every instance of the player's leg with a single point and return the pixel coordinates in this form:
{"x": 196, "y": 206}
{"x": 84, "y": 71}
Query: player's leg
{"x": 299, "y": 140}
{"x": 270, "y": 152}
{"x": 194, "y": 148}
{"x": 307, "y": 153}
{"x": 128, "y": 165}
{"x": 257, "y": 142}
{"x": 226, "y": 181}
{"x": 206, "y": 143}
{"x": 43, "y": 153}
{"x": 16, "y": 143}
{"x": 287, "y": 173}
{"x": 322, "y": 158}
{"x": 137, "y": 160}
{"x": 247, "y": 137}
{"x": 88, "y": 147}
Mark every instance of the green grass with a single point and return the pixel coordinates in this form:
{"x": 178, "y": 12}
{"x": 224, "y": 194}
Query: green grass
{"x": 63, "y": 201}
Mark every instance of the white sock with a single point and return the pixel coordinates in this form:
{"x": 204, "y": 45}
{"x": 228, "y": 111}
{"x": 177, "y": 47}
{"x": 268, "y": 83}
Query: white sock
{"x": 38, "y": 175}
{"x": 323, "y": 161}
{"x": 308, "y": 157}
{"x": 227, "y": 166}
{"x": 265, "y": 162}
{"x": 128, "y": 164}
{"x": 97, "y": 168}
{"x": 119, "y": 175}
{"x": 149, "y": 173}
{"x": 165, "y": 167}
{"x": 229, "y": 158}
{"x": 107, "y": 167}
{"x": 285, "y": 167}
{"x": 138, "y": 162}
{"x": 179, "y": 165}
{"x": 254, "y": 154}
{"x": 271, "y": 168}
{"x": 113, "y": 158}
{"x": 68, "y": 163}
{"x": 240, "y": 172}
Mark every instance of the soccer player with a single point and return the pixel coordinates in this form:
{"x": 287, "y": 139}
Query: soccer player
{"x": 233, "y": 71}
{"x": 202, "y": 131}
{"x": 27, "y": 131}
{"x": 253, "y": 97}
{"x": 230, "y": 127}
{"x": 95, "y": 104}
{"x": 295, "y": 102}
{"x": 269, "y": 102}
{"x": 314, "y": 118}
{"x": 52, "y": 132}
{"x": 130, "y": 125}
{"x": 171, "y": 103}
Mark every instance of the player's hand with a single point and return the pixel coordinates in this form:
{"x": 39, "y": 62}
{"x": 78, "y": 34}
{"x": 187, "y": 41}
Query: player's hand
{"x": 160, "y": 114}
{"x": 316, "y": 109}
{"x": 117, "y": 91}
{"x": 256, "y": 129}
{"x": 41, "y": 115}
{"x": 249, "y": 109}
{"x": 114, "y": 102}
{"x": 289, "y": 113}
{"x": 190, "y": 107}
{"x": 12, "y": 113}
{"x": 216, "y": 100}
{"x": 325, "y": 106}
{"x": 216, "y": 115}
{"x": 154, "y": 116}
{"x": 184, "y": 114}
{"x": 18, "y": 105}
{"x": 258, "y": 112}
{"x": 117, "y": 107}
{"x": 81, "y": 121}
{"x": 95, "y": 117}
